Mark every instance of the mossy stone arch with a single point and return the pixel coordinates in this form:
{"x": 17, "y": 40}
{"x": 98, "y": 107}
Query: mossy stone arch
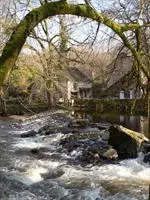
{"x": 33, "y": 18}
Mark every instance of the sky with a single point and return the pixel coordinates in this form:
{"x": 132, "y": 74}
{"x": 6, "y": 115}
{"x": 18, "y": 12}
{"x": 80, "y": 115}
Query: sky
{"x": 78, "y": 31}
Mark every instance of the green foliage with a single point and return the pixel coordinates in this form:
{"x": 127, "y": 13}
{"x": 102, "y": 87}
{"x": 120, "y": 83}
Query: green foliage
{"x": 21, "y": 79}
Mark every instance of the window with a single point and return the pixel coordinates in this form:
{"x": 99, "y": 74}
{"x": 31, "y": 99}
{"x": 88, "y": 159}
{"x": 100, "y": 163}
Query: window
{"x": 75, "y": 86}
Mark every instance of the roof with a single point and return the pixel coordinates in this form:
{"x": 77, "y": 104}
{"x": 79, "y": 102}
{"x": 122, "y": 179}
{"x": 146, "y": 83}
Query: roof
{"x": 80, "y": 74}
{"x": 122, "y": 66}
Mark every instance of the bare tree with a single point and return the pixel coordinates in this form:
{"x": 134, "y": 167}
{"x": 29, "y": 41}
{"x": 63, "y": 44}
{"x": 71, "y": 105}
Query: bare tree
{"x": 125, "y": 30}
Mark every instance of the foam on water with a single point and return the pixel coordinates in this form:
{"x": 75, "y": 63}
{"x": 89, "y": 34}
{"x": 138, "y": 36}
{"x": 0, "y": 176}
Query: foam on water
{"x": 127, "y": 180}
{"x": 35, "y": 142}
{"x": 28, "y": 144}
{"x": 83, "y": 179}
{"x": 116, "y": 177}
{"x": 58, "y": 137}
{"x": 75, "y": 153}
{"x": 133, "y": 170}
{"x": 33, "y": 173}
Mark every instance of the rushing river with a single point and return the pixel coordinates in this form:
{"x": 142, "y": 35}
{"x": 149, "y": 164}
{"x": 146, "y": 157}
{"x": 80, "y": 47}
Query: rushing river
{"x": 48, "y": 175}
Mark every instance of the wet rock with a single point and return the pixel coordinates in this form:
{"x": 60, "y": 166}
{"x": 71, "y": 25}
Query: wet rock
{"x": 74, "y": 145}
{"x": 21, "y": 195}
{"x": 81, "y": 140}
{"x": 101, "y": 126}
{"x": 31, "y": 133}
{"x": 66, "y": 130}
{"x": 94, "y": 152}
{"x": 35, "y": 151}
{"x": 90, "y": 145}
{"x": 8, "y": 184}
{"x": 79, "y": 123}
{"x": 47, "y": 130}
{"x": 147, "y": 158}
{"x": 105, "y": 135}
{"x": 53, "y": 156}
{"x": 145, "y": 148}
{"x": 53, "y": 174}
{"x": 81, "y": 135}
{"x": 110, "y": 154}
{"x": 48, "y": 189}
{"x": 126, "y": 142}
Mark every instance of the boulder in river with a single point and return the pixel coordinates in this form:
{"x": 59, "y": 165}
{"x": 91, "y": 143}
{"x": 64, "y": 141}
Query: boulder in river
{"x": 125, "y": 141}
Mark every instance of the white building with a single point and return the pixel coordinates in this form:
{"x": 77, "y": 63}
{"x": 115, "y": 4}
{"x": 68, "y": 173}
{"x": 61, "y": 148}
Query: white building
{"x": 79, "y": 84}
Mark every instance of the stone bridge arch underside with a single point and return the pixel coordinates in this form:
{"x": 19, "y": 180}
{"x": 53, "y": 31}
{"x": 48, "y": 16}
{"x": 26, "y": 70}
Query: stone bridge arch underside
{"x": 33, "y": 18}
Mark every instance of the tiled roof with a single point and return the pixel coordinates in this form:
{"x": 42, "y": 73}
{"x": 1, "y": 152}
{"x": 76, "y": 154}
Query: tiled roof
{"x": 122, "y": 66}
{"x": 79, "y": 75}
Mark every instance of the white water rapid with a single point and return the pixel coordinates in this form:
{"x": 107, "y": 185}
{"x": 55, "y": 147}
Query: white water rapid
{"x": 49, "y": 175}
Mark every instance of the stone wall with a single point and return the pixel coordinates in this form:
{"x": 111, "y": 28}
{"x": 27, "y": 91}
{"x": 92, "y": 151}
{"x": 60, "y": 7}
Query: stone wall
{"x": 138, "y": 106}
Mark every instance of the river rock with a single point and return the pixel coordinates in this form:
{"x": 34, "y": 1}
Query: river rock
{"x": 125, "y": 141}
{"x": 46, "y": 130}
{"x": 8, "y": 184}
{"x": 147, "y": 158}
{"x": 105, "y": 135}
{"x": 53, "y": 174}
{"x": 78, "y": 123}
{"x": 81, "y": 135}
{"x": 35, "y": 151}
{"x": 110, "y": 154}
{"x": 97, "y": 152}
{"x": 48, "y": 189}
{"x": 145, "y": 148}
{"x": 101, "y": 126}
{"x": 31, "y": 133}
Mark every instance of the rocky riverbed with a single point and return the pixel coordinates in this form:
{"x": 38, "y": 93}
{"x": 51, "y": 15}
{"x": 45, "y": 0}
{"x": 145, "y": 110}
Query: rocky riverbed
{"x": 52, "y": 156}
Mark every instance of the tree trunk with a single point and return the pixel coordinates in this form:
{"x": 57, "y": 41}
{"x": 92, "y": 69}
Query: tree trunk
{"x": 148, "y": 109}
{"x": 2, "y": 106}
{"x": 49, "y": 99}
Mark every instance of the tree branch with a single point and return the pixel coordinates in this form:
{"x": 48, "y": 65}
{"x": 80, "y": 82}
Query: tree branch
{"x": 33, "y": 18}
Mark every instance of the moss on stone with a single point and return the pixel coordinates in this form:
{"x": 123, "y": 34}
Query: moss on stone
{"x": 112, "y": 106}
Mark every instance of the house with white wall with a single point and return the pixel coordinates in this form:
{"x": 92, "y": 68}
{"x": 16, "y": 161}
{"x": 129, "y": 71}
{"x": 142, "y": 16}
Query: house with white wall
{"x": 123, "y": 83}
{"x": 79, "y": 84}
